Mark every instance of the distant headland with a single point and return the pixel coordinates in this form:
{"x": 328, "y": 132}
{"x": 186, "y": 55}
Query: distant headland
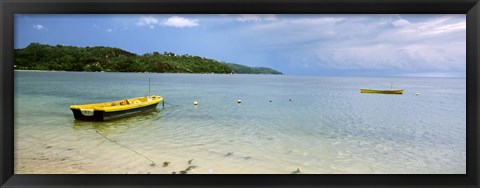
{"x": 107, "y": 59}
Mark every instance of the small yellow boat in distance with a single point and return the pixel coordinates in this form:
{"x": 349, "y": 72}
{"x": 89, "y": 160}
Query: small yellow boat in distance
{"x": 115, "y": 109}
{"x": 392, "y": 91}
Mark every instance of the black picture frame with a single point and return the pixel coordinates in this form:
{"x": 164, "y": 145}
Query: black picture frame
{"x": 9, "y": 8}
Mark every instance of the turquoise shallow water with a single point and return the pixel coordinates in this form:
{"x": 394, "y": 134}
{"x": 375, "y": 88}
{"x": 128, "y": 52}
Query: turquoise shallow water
{"x": 327, "y": 127}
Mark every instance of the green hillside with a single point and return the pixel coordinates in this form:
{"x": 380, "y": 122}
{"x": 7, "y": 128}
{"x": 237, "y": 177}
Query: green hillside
{"x": 70, "y": 58}
{"x": 242, "y": 69}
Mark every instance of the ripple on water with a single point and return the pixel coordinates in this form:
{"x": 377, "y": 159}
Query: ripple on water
{"x": 327, "y": 127}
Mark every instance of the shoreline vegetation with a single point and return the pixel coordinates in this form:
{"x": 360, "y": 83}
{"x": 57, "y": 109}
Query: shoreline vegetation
{"x": 44, "y": 57}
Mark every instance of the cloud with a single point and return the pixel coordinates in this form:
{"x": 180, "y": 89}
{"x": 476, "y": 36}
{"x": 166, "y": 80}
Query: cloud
{"x": 149, "y": 21}
{"x": 400, "y": 23}
{"x": 434, "y": 27}
{"x": 256, "y": 17}
{"x": 430, "y": 45}
{"x": 330, "y": 42}
{"x": 461, "y": 26}
{"x": 173, "y": 21}
{"x": 180, "y": 22}
{"x": 286, "y": 31}
{"x": 38, "y": 27}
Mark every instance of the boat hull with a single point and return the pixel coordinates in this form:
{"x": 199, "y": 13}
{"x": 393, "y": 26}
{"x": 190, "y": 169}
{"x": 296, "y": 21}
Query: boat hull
{"x": 115, "y": 109}
{"x": 99, "y": 115}
{"x": 398, "y": 92}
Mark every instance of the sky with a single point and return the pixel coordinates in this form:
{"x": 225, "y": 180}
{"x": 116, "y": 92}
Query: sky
{"x": 318, "y": 44}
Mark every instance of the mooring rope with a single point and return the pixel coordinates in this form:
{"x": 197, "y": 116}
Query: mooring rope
{"x": 171, "y": 104}
{"x": 113, "y": 141}
{"x": 132, "y": 150}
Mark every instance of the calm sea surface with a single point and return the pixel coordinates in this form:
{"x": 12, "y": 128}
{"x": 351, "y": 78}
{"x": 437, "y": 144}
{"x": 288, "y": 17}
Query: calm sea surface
{"x": 327, "y": 127}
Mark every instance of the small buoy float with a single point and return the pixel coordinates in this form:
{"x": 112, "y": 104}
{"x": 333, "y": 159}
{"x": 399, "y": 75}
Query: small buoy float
{"x": 195, "y": 103}
{"x": 417, "y": 93}
{"x": 289, "y": 99}
{"x": 239, "y": 101}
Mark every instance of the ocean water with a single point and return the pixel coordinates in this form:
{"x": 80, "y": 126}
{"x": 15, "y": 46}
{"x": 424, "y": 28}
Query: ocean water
{"x": 319, "y": 125}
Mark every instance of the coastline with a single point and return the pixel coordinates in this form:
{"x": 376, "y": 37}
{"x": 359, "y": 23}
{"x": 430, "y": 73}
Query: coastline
{"x": 30, "y": 70}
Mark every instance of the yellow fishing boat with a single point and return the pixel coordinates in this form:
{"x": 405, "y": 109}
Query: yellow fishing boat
{"x": 115, "y": 109}
{"x": 392, "y": 91}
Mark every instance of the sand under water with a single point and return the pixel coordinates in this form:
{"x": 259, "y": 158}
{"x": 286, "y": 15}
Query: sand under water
{"x": 320, "y": 125}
